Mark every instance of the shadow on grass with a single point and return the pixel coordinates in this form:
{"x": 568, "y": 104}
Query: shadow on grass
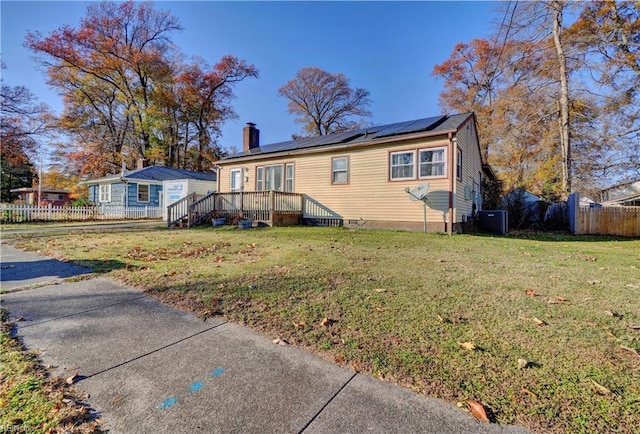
{"x": 555, "y": 237}
{"x": 100, "y": 266}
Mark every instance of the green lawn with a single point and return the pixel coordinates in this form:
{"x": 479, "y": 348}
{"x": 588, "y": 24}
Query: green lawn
{"x": 448, "y": 317}
{"x": 30, "y": 400}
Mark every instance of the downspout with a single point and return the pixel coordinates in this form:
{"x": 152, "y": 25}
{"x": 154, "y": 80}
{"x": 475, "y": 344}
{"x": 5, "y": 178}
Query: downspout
{"x": 451, "y": 175}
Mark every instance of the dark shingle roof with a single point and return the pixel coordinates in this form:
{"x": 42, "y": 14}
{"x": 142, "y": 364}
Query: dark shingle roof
{"x": 158, "y": 174}
{"x": 161, "y": 173}
{"x": 432, "y": 124}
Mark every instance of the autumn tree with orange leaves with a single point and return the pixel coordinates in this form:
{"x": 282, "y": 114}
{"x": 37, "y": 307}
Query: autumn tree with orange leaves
{"x": 127, "y": 93}
{"x": 556, "y": 103}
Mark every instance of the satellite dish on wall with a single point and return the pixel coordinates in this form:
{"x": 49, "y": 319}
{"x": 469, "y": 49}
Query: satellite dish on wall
{"x": 419, "y": 194}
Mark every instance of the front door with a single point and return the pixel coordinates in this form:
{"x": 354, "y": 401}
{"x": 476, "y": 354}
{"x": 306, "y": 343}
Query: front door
{"x": 236, "y": 187}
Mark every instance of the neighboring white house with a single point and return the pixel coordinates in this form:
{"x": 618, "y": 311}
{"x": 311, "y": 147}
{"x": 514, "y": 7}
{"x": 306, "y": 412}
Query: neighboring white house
{"x": 152, "y": 186}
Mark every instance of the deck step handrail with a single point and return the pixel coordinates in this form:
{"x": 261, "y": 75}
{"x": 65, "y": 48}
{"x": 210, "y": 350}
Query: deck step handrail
{"x": 202, "y": 210}
{"x": 178, "y": 212}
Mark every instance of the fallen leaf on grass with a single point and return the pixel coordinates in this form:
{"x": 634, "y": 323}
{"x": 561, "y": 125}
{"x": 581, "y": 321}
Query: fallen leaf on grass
{"x": 467, "y": 345}
{"x": 593, "y": 282}
{"x": 339, "y": 359}
{"x": 631, "y": 350}
{"x": 539, "y": 322}
{"x": 527, "y": 391}
{"x": 280, "y": 342}
{"x": 588, "y": 258}
{"x": 560, "y": 299}
{"x": 634, "y": 327}
{"x": 380, "y": 290}
{"x": 530, "y": 292}
{"x": 600, "y": 388}
{"x": 478, "y": 411}
{"x": 522, "y": 363}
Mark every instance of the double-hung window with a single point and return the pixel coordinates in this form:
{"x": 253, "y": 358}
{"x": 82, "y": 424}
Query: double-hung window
{"x": 259, "y": 178}
{"x": 459, "y": 164}
{"x": 432, "y": 162}
{"x": 402, "y": 165}
{"x": 288, "y": 185}
{"x": 104, "y": 193}
{"x": 143, "y": 192}
{"x": 340, "y": 170}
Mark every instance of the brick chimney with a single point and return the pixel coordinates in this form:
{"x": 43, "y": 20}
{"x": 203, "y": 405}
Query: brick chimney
{"x": 250, "y": 137}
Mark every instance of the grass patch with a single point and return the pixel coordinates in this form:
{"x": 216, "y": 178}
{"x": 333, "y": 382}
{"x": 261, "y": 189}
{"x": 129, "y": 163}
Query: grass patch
{"x": 31, "y": 400}
{"x": 448, "y": 317}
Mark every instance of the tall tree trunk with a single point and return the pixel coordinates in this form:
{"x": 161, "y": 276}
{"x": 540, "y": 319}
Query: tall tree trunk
{"x": 565, "y": 135}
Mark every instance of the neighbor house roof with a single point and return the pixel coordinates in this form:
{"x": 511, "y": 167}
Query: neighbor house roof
{"x": 155, "y": 174}
{"x": 432, "y": 126}
{"x": 42, "y": 189}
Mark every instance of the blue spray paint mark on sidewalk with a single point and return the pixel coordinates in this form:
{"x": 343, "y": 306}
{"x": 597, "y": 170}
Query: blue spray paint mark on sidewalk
{"x": 168, "y": 402}
{"x": 196, "y": 386}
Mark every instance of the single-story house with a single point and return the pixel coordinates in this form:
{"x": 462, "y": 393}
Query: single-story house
{"x": 43, "y": 196}
{"x": 627, "y": 194}
{"x": 363, "y": 177}
{"x": 145, "y": 186}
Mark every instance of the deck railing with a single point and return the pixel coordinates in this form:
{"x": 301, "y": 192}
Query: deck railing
{"x": 264, "y": 206}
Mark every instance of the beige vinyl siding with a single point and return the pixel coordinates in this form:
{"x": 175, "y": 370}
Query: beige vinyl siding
{"x": 467, "y": 142}
{"x": 369, "y": 194}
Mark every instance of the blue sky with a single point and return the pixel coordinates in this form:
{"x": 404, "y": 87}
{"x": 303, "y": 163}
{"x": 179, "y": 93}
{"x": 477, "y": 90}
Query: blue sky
{"x": 389, "y": 48}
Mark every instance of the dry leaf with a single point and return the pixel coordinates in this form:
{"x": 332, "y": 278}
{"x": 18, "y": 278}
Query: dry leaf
{"x": 525, "y": 390}
{"x": 526, "y": 253}
{"x": 560, "y": 299}
{"x": 467, "y": 345}
{"x": 588, "y": 258}
{"x": 634, "y": 327}
{"x": 631, "y": 350}
{"x": 460, "y": 404}
{"x": 339, "y": 359}
{"x": 281, "y": 342}
{"x": 72, "y": 379}
{"x": 600, "y": 388}
{"x": 530, "y": 292}
{"x": 539, "y": 321}
{"x": 325, "y": 322}
{"x": 522, "y": 363}
{"x": 478, "y": 411}
{"x": 593, "y": 282}
{"x": 380, "y": 290}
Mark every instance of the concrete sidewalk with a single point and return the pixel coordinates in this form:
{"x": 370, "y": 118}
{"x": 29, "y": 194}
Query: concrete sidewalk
{"x": 149, "y": 368}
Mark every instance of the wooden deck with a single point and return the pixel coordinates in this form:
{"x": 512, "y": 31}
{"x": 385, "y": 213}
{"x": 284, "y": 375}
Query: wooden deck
{"x": 274, "y": 208}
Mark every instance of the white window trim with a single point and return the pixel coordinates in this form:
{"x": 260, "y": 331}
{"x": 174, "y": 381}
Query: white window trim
{"x": 138, "y": 193}
{"x": 443, "y": 162}
{"x": 415, "y": 162}
{"x": 108, "y": 193}
{"x": 334, "y": 171}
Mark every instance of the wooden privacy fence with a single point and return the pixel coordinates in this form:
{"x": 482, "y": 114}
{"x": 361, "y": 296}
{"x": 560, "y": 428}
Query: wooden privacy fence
{"x": 30, "y": 213}
{"x": 613, "y": 220}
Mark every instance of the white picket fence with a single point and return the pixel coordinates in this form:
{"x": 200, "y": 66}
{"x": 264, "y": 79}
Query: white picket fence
{"x": 30, "y": 213}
